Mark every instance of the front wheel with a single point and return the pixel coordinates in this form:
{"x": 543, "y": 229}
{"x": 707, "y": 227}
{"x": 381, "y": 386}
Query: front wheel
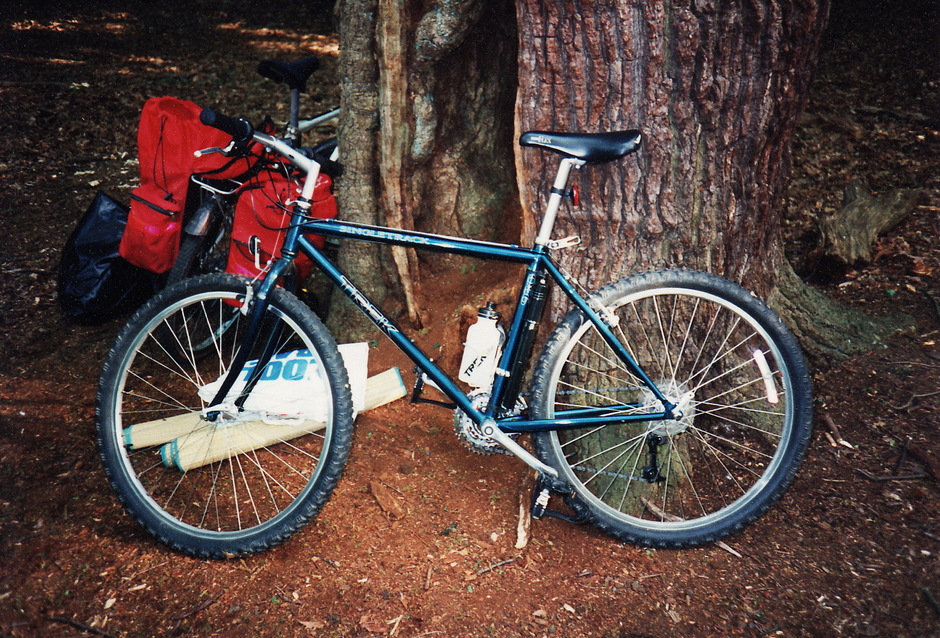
{"x": 203, "y": 254}
{"x": 223, "y": 478}
{"x": 742, "y": 391}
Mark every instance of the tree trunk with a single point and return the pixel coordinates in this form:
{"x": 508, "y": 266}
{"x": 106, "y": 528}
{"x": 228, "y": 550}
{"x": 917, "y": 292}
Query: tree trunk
{"x": 425, "y": 128}
{"x": 716, "y": 88}
{"x": 357, "y": 193}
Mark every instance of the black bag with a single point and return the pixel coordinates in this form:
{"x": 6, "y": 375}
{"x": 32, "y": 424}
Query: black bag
{"x": 95, "y": 283}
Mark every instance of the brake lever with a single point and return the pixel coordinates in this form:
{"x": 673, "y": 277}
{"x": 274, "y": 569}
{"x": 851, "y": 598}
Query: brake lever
{"x": 215, "y": 149}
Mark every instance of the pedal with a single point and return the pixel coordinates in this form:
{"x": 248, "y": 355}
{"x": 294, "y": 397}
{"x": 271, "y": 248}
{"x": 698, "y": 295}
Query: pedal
{"x": 545, "y": 487}
{"x": 540, "y": 503}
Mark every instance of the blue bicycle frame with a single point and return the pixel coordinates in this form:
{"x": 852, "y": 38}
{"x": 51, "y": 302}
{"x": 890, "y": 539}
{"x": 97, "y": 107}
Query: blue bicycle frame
{"x": 538, "y": 261}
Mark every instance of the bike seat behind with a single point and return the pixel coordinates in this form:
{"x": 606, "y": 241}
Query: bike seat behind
{"x": 293, "y": 74}
{"x": 590, "y": 147}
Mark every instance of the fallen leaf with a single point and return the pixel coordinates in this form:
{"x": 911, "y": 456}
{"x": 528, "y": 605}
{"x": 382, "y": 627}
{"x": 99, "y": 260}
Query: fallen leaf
{"x": 921, "y": 268}
{"x": 387, "y": 500}
{"x": 313, "y": 625}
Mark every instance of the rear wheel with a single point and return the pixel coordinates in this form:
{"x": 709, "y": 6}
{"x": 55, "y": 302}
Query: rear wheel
{"x": 229, "y": 480}
{"x": 733, "y": 370}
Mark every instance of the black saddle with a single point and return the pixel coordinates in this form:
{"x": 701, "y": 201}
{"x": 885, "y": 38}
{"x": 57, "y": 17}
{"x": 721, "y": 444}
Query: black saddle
{"x": 590, "y": 147}
{"x": 293, "y": 74}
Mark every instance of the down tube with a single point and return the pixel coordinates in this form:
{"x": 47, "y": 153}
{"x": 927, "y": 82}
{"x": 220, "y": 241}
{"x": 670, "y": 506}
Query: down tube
{"x": 392, "y": 331}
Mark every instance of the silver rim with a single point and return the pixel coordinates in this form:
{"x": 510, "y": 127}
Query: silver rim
{"x": 244, "y": 473}
{"x": 720, "y": 366}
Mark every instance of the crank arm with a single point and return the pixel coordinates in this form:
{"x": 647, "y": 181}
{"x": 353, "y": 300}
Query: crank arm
{"x": 491, "y": 430}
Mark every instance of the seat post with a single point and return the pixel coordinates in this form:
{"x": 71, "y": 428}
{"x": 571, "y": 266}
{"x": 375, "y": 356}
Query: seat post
{"x": 554, "y": 200}
{"x": 293, "y": 123}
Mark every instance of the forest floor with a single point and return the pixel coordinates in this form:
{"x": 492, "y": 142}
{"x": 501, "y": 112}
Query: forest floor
{"x": 852, "y": 549}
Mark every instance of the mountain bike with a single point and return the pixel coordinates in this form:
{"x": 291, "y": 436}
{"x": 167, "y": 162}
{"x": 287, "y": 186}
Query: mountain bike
{"x": 668, "y": 408}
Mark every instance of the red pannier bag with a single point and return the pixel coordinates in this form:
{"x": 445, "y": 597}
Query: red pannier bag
{"x": 262, "y": 217}
{"x": 168, "y": 136}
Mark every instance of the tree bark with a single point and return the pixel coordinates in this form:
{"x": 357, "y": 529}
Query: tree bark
{"x": 432, "y": 131}
{"x": 357, "y": 192}
{"x": 715, "y": 86}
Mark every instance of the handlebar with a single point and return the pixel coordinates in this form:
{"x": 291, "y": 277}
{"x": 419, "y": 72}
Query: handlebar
{"x": 243, "y": 133}
{"x": 240, "y": 129}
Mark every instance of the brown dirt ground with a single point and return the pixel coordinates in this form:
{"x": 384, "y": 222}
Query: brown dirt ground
{"x": 848, "y": 551}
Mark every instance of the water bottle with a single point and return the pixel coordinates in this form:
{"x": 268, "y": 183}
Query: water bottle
{"x": 482, "y": 348}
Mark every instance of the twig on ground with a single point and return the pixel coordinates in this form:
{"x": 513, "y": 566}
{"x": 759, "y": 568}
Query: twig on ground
{"x": 905, "y": 454}
{"x": 913, "y": 363}
{"x": 910, "y": 401}
{"x": 192, "y": 611}
{"x": 331, "y": 563}
{"x": 524, "y": 524}
{"x": 80, "y": 626}
{"x": 480, "y": 572}
{"x": 835, "y": 431}
{"x": 898, "y": 477}
{"x": 728, "y": 548}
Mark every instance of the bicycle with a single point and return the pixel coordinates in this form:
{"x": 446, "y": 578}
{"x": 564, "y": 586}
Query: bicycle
{"x": 205, "y": 239}
{"x": 669, "y": 409}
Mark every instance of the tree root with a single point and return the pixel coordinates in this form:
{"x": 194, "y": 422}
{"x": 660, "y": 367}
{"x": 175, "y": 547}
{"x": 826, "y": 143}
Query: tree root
{"x": 848, "y": 234}
{"x": 828, "y": 331}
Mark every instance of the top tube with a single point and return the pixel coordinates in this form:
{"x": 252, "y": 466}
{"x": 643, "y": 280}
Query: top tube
{"x": 319, "y": 120}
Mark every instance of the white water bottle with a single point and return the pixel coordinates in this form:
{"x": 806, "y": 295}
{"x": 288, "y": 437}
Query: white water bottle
{"x": 482, "y": 348}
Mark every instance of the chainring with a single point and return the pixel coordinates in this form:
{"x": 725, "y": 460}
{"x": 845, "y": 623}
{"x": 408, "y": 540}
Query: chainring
{"x": 471, "y": 434}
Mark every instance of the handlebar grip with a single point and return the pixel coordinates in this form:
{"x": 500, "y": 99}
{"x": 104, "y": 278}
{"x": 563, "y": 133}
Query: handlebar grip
{"x": 240, "y": 129}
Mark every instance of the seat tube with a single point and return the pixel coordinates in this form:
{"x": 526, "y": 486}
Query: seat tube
{"x": 554, "y": 200}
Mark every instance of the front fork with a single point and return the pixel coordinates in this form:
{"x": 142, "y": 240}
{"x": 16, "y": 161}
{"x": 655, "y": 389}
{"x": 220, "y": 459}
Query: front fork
{"x": 254, "y": 306}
